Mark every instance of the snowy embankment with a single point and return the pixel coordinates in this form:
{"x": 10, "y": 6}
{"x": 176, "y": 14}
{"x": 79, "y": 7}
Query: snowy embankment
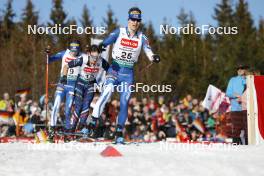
{"x": 143, "y": 159}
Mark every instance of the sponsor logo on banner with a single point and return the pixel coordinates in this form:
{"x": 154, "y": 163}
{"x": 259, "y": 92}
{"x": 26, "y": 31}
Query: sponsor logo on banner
{"x": 129, "y": 43}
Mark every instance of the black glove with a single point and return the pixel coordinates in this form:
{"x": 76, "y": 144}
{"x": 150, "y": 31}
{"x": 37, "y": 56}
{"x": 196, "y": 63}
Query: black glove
{"x": 47, "y": 49}
{"x": 156, "y": 58}
{"x": 101, "y": 47}
{"x": 63, "y": 79}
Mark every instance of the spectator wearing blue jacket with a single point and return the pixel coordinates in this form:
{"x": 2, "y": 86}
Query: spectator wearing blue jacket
{"x": 236, "y": 87}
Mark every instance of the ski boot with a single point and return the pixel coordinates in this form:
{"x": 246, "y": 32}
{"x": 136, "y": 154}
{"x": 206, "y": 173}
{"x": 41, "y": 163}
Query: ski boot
{"x": 67, "y": 135}
{"x": 119, "y": 139}
{"x": 92, "y": 127}
{"x": 84, "y": 132}
{"x": 51, "y": 134}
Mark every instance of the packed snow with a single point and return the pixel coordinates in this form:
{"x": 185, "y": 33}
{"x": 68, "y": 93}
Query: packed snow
{"x": 162, "y": 158}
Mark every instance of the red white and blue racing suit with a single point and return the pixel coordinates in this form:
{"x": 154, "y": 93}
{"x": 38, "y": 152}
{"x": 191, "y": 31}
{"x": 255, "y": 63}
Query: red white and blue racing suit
{"x": 85, "y": 88}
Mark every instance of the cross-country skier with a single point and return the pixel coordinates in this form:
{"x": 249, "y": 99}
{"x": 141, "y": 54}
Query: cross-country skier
{"x": 65, "y": 87}
{"x": 127, "y": 46}
{"x": 90, "y": 64}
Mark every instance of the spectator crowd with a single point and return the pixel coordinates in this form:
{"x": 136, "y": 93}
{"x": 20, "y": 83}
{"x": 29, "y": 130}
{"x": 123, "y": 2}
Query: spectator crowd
{"x": 149, "y": 119}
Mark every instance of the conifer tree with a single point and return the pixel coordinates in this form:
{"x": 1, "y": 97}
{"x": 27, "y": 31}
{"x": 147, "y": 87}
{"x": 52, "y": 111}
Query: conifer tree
{"x": 8, "y": 23}
{"x": 246, "y": 38}
{"x": 58, "y": 16}
{"x": 110, "y": 21}
{"x": 86, "y": 21}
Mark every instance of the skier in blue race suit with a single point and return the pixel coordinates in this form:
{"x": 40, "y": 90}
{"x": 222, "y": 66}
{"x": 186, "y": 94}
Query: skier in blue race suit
{"x": 127, "y": 42}
{"x": 65, "y": 87}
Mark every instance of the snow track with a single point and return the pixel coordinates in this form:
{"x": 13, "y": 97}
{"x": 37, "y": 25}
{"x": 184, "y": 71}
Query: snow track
{"x": 144, "y": 159}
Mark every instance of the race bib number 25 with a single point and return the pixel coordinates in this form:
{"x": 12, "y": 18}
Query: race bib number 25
{"x": 126, "y": 55}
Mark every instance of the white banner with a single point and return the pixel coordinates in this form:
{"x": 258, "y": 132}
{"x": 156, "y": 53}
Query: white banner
{"x": 216, "y": 100}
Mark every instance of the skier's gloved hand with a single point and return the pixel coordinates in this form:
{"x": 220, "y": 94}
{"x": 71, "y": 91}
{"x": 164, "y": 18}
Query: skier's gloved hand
{"x": 101, "y": 47}
{"x": 63, "y": 79}
{"x": 156, "y": 58}
{"x": 47, "y": 49}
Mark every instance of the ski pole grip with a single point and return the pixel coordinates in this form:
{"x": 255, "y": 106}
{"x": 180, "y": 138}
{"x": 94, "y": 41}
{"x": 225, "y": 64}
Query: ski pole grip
{"x": 47, "y": 49}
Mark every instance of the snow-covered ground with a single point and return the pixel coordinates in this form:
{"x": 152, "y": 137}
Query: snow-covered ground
{"x": 143, "y": 159}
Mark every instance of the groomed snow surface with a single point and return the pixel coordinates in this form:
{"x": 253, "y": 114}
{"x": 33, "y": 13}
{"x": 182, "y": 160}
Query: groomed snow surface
{"x": 162, "y": 158}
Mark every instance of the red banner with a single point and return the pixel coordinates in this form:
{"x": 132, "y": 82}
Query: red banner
{"x": 259, "y": 86}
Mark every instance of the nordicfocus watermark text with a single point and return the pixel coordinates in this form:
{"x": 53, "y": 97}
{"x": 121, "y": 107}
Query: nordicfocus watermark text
{"x": 59, "y": 29}
{"x": 203, "y": 29}
{"x": 138, "y": 87}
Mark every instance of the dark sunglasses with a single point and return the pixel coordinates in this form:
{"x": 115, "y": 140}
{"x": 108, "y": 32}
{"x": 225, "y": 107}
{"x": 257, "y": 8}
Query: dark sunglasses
{"x": 133, "y": 19}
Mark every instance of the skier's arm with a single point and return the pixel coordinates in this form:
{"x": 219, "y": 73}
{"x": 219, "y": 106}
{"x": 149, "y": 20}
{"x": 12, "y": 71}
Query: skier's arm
{"x": 57, "y": 56}
{"x": 74, "y": 63}
{"x": 110, "y": 39}
{"x": 147, "y": 49}
{"x": 105, "y": 64}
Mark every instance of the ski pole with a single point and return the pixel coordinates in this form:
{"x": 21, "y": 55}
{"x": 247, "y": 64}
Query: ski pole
{"x": 47, "y": 50}
{"x": 143, "y": 69}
